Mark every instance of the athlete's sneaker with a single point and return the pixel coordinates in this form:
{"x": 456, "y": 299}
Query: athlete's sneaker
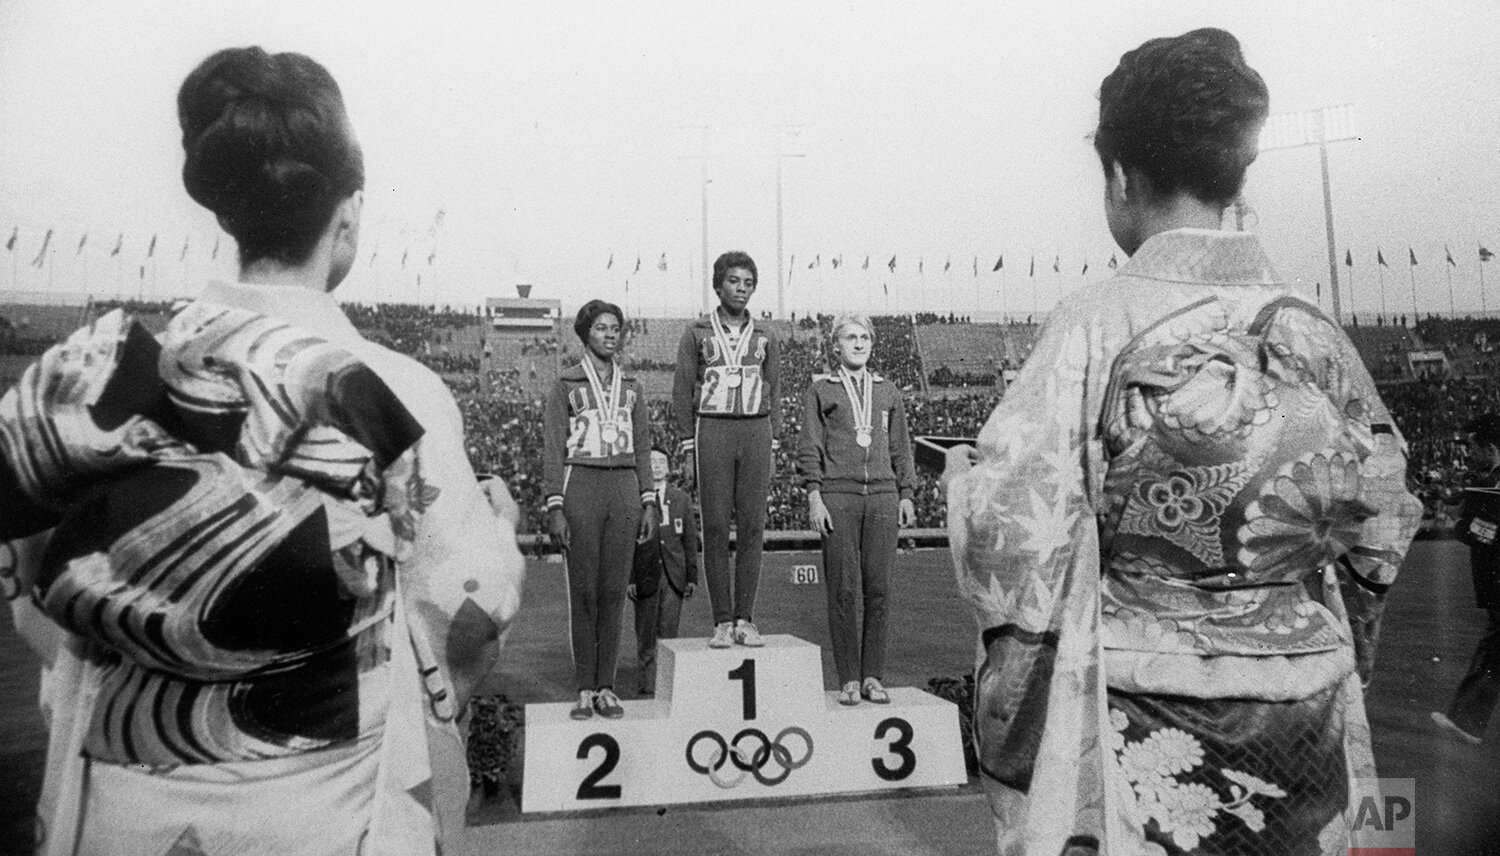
{"x": 585, "y": 707}
{"x": 723, "y": 635}
{"x": 746, "y": 634}
{"x": 1455, "y": 730}
{"x": 849, "y": 695}
{"x": 608, "y": 704}
{"x": 874, "y": 693}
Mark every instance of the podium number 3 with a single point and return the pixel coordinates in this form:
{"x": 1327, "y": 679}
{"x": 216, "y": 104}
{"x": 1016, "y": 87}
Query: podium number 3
{"x": 589, "y": 788}
{"x": 745, "y": 672}
{"x": 900, "y": 747}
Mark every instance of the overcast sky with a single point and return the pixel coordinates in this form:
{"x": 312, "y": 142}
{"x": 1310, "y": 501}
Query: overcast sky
{"x": 554, "y": 135}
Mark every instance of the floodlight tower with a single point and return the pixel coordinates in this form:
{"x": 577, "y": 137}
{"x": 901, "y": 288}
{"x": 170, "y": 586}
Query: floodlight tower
{"x": 788, "y": 145}
{"x": 1317, "y": 127}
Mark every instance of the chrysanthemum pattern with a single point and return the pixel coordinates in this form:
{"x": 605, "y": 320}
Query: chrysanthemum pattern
{"x": 1188, "y": 812}
{"x": 1307, "y": 516}
{"x": 1184, "y": 505}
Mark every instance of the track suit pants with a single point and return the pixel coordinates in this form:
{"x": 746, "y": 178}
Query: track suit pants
{"x": 857, "y": 560}
{"x": 734, "y": 478}
{"x": 603, "y": 508}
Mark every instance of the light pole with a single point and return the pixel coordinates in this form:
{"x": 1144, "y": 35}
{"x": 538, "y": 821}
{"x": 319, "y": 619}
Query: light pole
{"x": 787, "y": 133}
{"x": 1316, "y": 127}
{"x": 703, "y": 181}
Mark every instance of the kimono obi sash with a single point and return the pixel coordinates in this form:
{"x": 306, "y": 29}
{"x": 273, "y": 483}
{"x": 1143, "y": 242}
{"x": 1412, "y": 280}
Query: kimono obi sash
{"x": 222, "y": 531}
{"x": 1233, "y": 480}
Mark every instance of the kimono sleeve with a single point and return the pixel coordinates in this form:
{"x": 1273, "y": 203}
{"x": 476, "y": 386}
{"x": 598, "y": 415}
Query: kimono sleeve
{"x": 1369, "y": 568}
{"x": 1025, "y": 545}
{"x": 462, "y": 574}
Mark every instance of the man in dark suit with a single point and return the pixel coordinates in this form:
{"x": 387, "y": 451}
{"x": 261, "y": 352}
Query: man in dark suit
{"x": 1477, "y": 694}
{"x": 665, "y": 574}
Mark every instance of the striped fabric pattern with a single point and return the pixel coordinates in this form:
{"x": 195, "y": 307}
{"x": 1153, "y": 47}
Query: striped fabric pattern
{"x": 220, "y": 534}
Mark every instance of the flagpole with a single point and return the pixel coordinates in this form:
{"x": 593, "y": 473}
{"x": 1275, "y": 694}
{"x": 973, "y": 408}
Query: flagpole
{"x": 1412, "y": 270}
{"x": 1353, "y": 308}
{"x": 1482, "y": 308}
{"x": 1384, "y": 314}
{"x": 1031, "y": 274}
{"x": 1452, "y": 313}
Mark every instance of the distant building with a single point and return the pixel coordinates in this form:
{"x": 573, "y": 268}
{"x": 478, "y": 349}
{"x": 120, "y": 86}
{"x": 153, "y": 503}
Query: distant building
{"x": 523, "y": 314}
{"x": 1428, "y": 363}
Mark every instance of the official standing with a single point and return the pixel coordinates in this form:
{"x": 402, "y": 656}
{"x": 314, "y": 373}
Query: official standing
{"x": 666, "y": 571}
{"x": 1474, "y": 700}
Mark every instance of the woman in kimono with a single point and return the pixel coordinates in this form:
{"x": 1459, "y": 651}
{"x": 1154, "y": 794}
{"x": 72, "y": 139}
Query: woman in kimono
{"x": 1180, "y": 521}
{"x": 261, "y": 573}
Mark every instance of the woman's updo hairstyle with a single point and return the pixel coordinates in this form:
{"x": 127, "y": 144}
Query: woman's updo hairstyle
{"x": 1187, "y": 111}
{"x": 269, "y": 149}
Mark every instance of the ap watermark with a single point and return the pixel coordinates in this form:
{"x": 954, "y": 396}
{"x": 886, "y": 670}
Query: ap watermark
{"x": 1383, "y": 817}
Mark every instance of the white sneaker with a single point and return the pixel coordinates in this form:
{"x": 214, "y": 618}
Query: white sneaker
{"x": 722, "y": 633}
{"x": 746, "y": 634}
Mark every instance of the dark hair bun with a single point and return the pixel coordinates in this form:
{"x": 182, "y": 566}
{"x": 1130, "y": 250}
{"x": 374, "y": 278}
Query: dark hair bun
{"x": 268, "y": 148}
{"x": 1185, "y": 110}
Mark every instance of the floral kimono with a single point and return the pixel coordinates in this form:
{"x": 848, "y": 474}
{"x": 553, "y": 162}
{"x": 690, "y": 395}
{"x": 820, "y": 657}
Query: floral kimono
{"x": 1176, "y": 539}
{"x": 273, "y": 567}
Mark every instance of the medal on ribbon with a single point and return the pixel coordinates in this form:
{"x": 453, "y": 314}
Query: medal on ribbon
{"x": 862, "y": 400}
{"x": 609, "y": 408}
{"x": 733, "y": 356}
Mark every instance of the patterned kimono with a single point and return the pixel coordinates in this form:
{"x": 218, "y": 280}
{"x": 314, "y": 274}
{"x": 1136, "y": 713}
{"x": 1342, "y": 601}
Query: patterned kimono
{"x": 1185, "y": 513}
{"x": 272, "y": 563}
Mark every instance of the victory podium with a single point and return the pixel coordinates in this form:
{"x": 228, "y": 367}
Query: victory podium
{"x": 738, "y": 723}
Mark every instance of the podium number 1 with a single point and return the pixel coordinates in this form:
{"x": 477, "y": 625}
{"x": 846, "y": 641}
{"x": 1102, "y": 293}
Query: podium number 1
{"x": 745, "y": 672}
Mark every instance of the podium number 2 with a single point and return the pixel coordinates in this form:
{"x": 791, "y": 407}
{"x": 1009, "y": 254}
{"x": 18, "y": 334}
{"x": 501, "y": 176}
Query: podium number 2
{"x": 745, "y": 672}
{"x": 589, "y": 788}
{"x": 900, "y": 747}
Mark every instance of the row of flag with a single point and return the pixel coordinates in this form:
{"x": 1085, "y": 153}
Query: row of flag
{"x": 1411, "y": 254}
{"x": 837, "y": 262}
{"x": 41, "y": 254}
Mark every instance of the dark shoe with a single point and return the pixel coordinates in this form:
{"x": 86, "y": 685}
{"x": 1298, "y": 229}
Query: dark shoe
{"x": 585, "y": 707}
{"x": 608, "y": 704}
{"x": 1453, "y": 729}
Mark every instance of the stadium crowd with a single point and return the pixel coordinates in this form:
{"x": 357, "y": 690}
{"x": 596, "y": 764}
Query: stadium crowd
{"x": 503, "y": 413}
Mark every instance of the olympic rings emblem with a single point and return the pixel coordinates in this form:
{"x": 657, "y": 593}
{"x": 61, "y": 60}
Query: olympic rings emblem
{"x": 751, "y": 763}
